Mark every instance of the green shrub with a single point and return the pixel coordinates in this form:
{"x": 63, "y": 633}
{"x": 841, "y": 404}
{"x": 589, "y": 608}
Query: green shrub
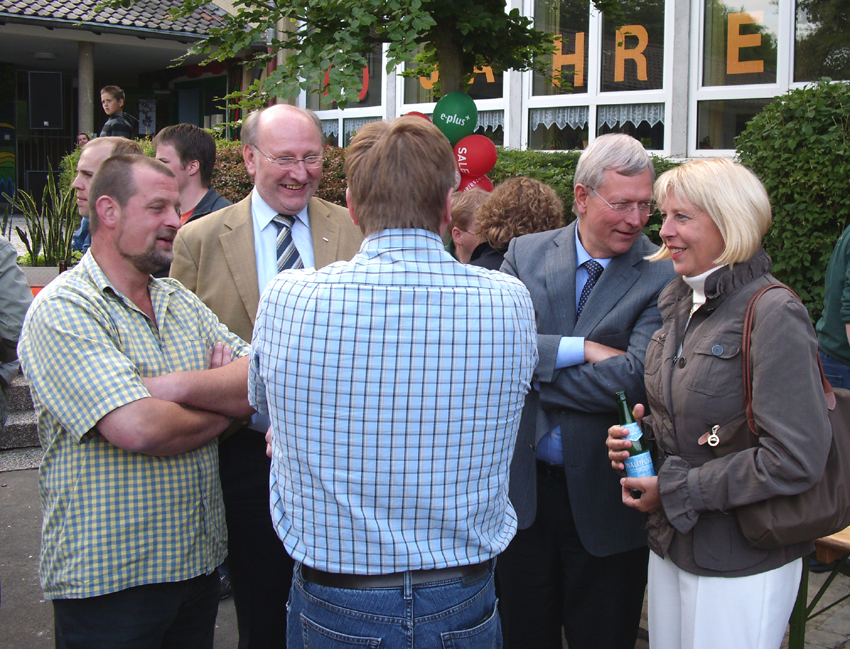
{"x": 230, "y": 178}
{"x": 799, "y": 148}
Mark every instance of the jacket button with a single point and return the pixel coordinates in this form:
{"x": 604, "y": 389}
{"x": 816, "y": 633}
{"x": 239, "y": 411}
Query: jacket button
{"x": 717, "y": 350}
{"x": 682, "y": 362}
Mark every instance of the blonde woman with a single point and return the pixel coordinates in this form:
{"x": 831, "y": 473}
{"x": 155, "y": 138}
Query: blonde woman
{"x": 708, "y": 587}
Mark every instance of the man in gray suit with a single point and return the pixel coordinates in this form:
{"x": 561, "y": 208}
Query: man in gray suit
{"x": 579, "y": 558}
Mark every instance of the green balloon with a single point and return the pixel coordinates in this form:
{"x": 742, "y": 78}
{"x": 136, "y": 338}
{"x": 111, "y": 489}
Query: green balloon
{"x": 456, "y": 116}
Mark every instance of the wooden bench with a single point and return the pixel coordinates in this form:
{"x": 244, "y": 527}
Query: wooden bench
{"x": 830, "y": 550}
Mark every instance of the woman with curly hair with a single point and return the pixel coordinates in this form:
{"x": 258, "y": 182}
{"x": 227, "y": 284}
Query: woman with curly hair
{"x": 517, "y": 206}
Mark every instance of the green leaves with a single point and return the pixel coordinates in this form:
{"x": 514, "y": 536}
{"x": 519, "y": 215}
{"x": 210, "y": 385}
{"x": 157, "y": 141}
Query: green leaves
{"x": 798, "y": 146}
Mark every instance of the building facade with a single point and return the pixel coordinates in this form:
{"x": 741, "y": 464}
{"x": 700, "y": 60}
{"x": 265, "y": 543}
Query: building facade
{"x": 683, "y": 76}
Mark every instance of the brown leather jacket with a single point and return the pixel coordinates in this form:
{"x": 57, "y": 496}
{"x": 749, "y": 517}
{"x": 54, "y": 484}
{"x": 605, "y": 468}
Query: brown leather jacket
{"x": 692, "y": 391}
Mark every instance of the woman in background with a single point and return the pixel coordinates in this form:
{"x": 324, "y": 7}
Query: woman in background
{"x": 515, "y": 207}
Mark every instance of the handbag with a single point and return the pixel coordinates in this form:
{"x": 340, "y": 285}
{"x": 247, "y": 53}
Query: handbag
{"x": 824, "y": 508}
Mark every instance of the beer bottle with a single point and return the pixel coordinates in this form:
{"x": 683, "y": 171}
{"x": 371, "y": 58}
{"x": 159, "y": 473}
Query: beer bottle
{"x": 639, "y": 463}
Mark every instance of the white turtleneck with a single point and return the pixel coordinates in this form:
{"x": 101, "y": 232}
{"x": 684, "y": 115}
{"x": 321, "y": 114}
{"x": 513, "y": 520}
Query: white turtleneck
{"x": 697, "y": 284}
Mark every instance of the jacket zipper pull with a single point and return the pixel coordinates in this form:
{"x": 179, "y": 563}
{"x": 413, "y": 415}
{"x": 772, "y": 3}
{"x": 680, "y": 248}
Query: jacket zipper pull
{"x": 712, "y": 437}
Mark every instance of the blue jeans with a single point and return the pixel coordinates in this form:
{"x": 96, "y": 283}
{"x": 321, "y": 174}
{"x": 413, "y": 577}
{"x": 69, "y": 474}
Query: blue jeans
{"x": 838, "y": 374}
{"x": 437, "y": 615}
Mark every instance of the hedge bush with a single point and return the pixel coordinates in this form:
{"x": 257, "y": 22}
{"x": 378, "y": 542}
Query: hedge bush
{"x": 231, "y": 179}
{"x": 799, "y": 147}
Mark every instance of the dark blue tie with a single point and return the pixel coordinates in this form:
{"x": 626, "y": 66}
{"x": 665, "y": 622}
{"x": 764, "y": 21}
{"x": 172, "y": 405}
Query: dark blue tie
{"x": 594, "y": 270}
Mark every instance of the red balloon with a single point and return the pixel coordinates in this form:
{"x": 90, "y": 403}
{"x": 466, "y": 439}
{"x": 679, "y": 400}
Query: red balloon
{"x": 475, "y": 182}
{"x": 475, "y": 155}
{"x": 416, "y": 112}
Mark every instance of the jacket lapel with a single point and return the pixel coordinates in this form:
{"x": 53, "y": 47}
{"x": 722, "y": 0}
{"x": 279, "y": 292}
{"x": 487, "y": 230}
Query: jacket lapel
{"x": 618, "y": 278}
{"x": 238, "y": 244}
{"x": 559, "y": 266}
{"x": 324, "y": 233}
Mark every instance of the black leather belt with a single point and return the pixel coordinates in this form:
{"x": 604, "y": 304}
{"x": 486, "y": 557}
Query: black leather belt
{"x": 395, "y": 579}
{"x": 553, "y": 471}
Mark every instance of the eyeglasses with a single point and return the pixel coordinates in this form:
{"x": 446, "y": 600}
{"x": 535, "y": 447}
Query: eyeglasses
{"x": 289, "y": 163}
{"x": 643, "y": 207}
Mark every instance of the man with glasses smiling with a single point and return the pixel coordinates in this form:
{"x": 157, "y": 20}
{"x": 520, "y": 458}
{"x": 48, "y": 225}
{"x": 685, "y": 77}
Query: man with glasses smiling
{"x": 227, "y": 258}
{"x": 579, "y": 558}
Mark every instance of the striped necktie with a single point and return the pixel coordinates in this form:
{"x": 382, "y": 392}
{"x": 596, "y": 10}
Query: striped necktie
{"x": 287, "y": 253}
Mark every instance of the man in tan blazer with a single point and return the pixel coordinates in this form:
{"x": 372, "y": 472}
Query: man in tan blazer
{"x": 227, "y": 258}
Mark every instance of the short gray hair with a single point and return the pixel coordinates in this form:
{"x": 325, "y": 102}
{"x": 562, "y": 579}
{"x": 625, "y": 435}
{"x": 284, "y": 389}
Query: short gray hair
{"x": 250, "y": 123}
{"x": 616, "y": 152}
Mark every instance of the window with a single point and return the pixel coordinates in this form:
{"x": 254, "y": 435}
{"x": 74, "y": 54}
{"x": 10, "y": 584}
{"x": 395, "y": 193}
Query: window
{"x": 604, "y": 76}
{"x": 740, "y": 42}
{"x": 822, "y": 40}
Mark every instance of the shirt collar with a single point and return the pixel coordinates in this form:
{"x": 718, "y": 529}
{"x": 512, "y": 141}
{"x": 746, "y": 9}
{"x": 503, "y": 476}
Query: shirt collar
{"x": 263, "y": 214}
{"x": 402, "y": 238}
{"x": 582, "y": 255}
{"x": 88, "y": 264}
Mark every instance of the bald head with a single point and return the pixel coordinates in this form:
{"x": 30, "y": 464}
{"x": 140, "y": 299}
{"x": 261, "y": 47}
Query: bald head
{"x": 283, "y": 131}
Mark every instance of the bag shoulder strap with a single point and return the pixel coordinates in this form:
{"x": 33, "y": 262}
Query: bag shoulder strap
{"x": 745, "y": 349}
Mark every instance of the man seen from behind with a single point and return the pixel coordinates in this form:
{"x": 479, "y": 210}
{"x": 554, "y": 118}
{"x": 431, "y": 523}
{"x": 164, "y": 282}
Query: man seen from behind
{"x": 390, "y": 460}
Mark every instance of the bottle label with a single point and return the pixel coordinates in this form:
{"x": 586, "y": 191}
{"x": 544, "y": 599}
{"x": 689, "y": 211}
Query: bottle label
{"x": 640, "y": 466}
{"x": 634, "y": 431}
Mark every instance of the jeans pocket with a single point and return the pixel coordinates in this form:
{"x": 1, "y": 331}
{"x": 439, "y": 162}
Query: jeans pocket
{"x": 484, "y": 635}
{"x": 316, "y": 636}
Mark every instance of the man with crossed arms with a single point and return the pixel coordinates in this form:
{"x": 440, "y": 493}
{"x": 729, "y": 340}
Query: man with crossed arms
{"x": 133, "y": 515}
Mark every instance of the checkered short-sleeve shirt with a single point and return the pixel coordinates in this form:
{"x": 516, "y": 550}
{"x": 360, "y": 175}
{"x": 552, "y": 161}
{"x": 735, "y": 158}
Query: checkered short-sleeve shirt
{"x": 115, "y": 519}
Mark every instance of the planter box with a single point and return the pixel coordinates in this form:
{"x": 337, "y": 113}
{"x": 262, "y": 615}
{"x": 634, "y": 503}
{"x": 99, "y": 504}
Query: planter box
{"x": 39, "y": 276}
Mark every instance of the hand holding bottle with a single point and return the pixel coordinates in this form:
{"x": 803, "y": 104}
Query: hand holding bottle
{"x": 617, "y": 442}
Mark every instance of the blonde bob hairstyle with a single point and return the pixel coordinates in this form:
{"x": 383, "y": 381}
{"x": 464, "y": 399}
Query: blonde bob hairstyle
{"x": 730, "y": 194}
{"x": 518, "y": 206}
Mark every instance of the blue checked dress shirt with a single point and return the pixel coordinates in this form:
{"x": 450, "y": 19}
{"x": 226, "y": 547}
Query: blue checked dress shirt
{"x": 395, "y": 384}
{"x": 115, "y": 519}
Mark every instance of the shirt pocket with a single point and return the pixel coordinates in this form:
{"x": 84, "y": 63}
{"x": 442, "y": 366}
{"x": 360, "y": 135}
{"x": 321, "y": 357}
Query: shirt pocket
{"x": 714, "y": 366}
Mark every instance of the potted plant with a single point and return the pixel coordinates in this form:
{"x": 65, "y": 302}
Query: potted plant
{"x": 49, "y": 230}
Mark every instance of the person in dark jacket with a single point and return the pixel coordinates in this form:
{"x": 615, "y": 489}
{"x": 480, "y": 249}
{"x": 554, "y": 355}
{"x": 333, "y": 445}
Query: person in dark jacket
{"x": 189, "y": 152}
{"x": 708, "y": 587}
{"x": 515, "y": 207}
{"x": 118, "y": 123}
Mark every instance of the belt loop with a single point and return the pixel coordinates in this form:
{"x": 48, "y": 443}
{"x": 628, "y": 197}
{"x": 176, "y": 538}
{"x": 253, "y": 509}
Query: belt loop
{"x": 408, "y": 585}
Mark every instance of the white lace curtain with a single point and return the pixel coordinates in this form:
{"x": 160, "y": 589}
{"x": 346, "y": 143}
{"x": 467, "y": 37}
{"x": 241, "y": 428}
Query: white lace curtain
{"x": 330, "y": 127}
{"x": 351, "y": 126}
{"x": 575, "y": 117}
{"x": 613, "y": 116}
{"x": 491, "y": 119}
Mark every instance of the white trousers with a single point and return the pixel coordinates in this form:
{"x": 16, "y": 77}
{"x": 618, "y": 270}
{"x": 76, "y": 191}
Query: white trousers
{"x": 687, "y": 611}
